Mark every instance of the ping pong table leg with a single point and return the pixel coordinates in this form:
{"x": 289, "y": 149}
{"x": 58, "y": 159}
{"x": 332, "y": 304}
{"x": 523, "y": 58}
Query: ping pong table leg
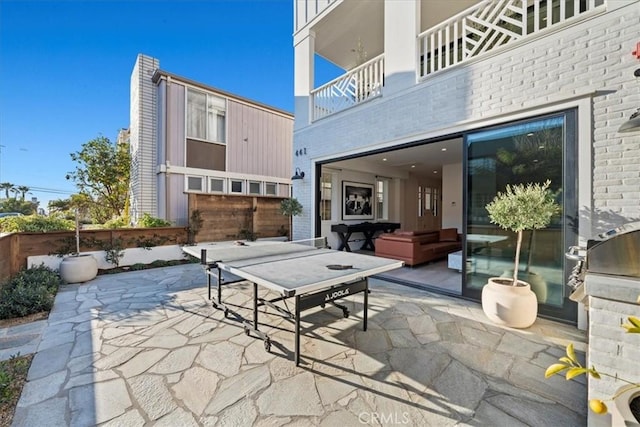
{"x": 220, "y": 289}
{"x": 255, "y": 306}
{"x": 366, "y": 304}
{"x": 296, "y": 356}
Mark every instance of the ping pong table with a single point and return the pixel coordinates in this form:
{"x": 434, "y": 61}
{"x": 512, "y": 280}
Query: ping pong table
{"x": 305, "y": 270}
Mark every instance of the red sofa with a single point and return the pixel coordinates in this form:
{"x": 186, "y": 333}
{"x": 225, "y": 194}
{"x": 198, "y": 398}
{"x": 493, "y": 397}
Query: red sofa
{"x": 417, "y": 247}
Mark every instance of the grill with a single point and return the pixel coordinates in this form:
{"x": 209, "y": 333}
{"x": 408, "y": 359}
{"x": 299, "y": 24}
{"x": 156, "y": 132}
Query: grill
{"x": 615, "y": 253}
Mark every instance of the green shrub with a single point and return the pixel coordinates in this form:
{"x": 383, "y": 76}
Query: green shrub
{"x": 148, "y": 221}
{"x": 29, "y": 291}
{"x": 13, "y": 374}
{"x": 120, "y": 222}
{"x": 34, "y": 223}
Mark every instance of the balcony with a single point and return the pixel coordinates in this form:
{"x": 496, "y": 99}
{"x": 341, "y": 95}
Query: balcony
{"x": 358, "y": 85}
{"x": 457, "y": 37}
{"x": 492, "y": 24}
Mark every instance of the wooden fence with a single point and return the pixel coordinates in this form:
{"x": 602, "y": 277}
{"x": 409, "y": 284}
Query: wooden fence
{"x": 235, "y": 217}
{"x": 223, "y": 218}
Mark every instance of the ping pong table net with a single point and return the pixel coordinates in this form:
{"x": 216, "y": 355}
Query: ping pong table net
{"x": 252, "y": 250}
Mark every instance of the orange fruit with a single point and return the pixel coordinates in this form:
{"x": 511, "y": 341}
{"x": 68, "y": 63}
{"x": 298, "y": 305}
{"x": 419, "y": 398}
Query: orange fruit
{"x": 598, "y": 406}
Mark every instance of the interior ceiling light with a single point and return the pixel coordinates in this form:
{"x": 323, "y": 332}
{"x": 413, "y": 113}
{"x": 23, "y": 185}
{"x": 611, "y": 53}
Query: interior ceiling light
{"x": 435, "y": 171}
{"x": 633, "y": 124}
{"x": 443, "y": 149}
{"x": 413, "y": 166}
{"x": 384, "y": 160}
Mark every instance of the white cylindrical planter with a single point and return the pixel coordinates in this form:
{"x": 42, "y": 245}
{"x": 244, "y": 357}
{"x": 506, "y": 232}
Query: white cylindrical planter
{"x": 507, "y": 305}
{"x": 77, "y": 269}
{"x": 621, "y": 414}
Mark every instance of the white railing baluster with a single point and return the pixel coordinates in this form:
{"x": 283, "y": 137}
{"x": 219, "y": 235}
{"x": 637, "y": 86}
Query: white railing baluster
{"x": 447, "y": 37}
{"x": 455, "y": 42}
{"x": 432, "y": 53}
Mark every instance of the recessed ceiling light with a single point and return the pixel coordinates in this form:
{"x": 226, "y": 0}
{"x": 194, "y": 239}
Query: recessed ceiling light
{"x": 435, "y": 171}
{"x": 413, "y": 166}
{"x": 443, "y": 149}
{"x": 384, "y": 159}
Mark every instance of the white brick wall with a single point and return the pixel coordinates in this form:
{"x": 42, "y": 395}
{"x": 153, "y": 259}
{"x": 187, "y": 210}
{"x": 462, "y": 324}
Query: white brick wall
{"x": 594, "y": 55}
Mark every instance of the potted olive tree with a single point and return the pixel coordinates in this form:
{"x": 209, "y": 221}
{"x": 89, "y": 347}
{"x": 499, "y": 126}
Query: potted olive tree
{"x": 290, "y": 207}
{"x": 509, "y": 301}
{"x": 77, "y": 267}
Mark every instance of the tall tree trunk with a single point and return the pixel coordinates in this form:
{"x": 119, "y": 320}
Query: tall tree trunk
{"x": 290, "y": 228}
{"x": 517, "y": 258}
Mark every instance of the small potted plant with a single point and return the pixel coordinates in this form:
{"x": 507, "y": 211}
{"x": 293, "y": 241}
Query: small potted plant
{"x": 78, "y": 268}
{"x": 509, "y": 301}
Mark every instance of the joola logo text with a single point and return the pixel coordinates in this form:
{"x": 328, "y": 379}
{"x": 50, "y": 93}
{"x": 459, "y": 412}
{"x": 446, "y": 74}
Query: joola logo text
{"x": 336, "y": 294}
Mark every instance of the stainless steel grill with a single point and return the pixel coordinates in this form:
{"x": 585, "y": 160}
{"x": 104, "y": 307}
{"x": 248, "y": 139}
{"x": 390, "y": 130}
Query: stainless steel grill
{"x": 615, "y": 252}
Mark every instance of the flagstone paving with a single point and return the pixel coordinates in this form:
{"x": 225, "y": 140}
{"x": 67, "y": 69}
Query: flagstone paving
{"x": 147, "y": 348}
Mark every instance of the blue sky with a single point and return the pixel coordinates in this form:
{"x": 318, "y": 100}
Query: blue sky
{"x": 65, "y": 68}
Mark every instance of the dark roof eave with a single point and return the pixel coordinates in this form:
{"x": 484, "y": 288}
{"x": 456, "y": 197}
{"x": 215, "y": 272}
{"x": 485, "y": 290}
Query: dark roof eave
{"x": 158, "y": 74}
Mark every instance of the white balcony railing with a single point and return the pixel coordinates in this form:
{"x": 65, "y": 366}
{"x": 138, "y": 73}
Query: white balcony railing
{"x": 491, "y": 24}
{"x": 360, "y": 84}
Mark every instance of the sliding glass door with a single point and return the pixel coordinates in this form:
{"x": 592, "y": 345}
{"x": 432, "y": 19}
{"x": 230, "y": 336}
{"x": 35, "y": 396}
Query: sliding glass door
{"x": 535, "y": 150}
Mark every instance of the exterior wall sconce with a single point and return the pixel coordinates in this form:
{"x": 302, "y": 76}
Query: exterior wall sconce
{"x": 633, "y": 124}
{"x": 299, "y": 174}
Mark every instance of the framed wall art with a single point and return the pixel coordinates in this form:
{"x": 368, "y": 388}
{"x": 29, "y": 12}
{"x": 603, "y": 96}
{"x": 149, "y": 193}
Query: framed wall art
{"x": 357, "y": 200}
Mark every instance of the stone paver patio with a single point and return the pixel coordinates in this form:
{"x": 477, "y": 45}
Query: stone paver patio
{"x": 147, "y": 348}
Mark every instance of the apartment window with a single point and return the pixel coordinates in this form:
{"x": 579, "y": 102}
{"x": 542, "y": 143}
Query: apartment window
{"x": 216, "y": 185}
{"x": 271, "y": 189}
{"x": 194, "y": 183}
{"x": 382, "y": 198}
{"x": 325, "y": 196}
{"x": 237, "y": 186}
{"x": 254, "y": 187}
{"x": 205, "y": 116}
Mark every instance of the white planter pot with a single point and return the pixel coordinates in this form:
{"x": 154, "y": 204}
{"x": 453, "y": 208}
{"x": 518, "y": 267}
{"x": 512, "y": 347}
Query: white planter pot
{"x": 621, "y": 414}
{"x": 536, "y": 281}
{"x": 507, "y": 305}
{"x": 76, "y": 269}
